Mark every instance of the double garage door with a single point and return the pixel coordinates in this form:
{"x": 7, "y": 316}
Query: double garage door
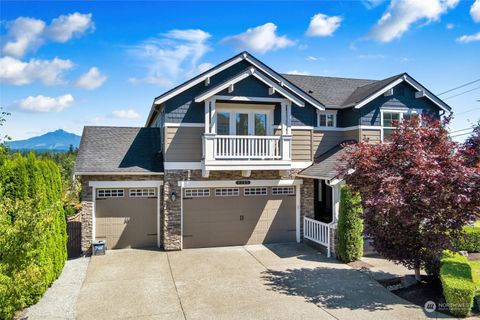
{"x": 238, "y": 216}
{"x": 126, "y": 217}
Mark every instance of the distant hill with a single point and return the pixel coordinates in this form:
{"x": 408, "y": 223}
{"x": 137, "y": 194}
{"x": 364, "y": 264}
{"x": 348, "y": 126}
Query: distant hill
{"x": 58, "y": 141}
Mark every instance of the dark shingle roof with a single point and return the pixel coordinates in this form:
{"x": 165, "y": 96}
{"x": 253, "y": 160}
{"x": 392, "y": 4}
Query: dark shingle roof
{"x": 364, "y": 92}
{"x": 326, "y": 165}
{"x": 328, "y": 90}
{"x": 119, "y": 149}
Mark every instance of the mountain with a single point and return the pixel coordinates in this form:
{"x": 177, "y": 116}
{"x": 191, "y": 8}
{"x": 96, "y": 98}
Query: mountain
{"x": 58, "y": 140}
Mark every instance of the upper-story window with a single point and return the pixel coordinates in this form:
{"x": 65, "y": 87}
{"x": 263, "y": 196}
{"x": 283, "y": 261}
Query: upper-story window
{"x": 390, "y": 119}
{"x": 245, "y": 121}
{"x": 326, "y": 119}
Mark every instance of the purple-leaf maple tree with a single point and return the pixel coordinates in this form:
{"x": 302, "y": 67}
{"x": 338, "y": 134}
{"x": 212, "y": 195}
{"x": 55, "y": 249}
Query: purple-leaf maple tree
{"x": 416, "y": 191}
{"x": 471, "y": 148}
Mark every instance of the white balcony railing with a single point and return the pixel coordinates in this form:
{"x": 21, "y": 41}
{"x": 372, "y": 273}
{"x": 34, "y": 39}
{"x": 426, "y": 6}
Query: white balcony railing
{"x": 318, "y": 232}
{"x": 225, "y": 147}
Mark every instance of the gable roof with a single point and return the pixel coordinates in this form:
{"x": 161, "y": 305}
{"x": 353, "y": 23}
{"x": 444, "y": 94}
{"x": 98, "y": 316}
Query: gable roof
{"x": 243, "y": 75}
{"x": 331, "y": 91}
{"x": 344, "y": 92}
{"x": 283, "y": 82}
{"x": 326, "y": 165}
{"x": 119, "y": 150}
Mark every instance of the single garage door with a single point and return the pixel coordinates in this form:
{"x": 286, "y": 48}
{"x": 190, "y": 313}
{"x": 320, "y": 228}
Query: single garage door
{"x": 126, "y": 218}
{"x": 238, "y": 216}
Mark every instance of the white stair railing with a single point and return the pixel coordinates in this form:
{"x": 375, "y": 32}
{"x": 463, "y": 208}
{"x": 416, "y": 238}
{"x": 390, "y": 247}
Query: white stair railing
{"x": 318, "y": 232}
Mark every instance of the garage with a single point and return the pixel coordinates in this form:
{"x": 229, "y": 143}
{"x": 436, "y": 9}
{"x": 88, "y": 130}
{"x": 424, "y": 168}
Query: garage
{"x": 126, "y": 217}
{"x": 230, "y": 216}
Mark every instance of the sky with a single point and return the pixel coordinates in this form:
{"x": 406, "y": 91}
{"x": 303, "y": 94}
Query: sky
{"x": 64, "y": 65}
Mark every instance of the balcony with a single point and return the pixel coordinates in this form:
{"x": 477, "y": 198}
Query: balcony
{"x": 232, "y": 152}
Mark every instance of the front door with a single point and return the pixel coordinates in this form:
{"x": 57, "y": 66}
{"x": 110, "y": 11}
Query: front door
{"x": 323, "y": 201}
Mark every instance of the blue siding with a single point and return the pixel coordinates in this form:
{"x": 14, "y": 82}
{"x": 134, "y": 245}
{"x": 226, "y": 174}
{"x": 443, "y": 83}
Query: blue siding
{"x": 403, "y": 97}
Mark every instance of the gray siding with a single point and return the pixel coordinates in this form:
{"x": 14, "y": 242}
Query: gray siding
{"x": 302, "y": 145}
{"x": 352, "y": 135}
{"x": 183, "y": 144}
{"x": 373, "y": 136}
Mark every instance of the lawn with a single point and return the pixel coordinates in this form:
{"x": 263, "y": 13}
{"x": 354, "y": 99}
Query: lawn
{"x": 476, "y": 272}
{"x": 477, "y": 224}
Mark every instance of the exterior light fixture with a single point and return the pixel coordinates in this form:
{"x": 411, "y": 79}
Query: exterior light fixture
{"x": 173, "y": 196}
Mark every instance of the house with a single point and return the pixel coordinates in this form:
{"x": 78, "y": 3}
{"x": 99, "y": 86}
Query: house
{"x": 239, "y": 154}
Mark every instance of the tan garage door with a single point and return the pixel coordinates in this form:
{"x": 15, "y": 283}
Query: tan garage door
{"x": 238, "y": 216}
{"x": 126, "y": 218}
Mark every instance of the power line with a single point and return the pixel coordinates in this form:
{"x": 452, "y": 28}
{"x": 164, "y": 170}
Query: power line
{"x": 459, "y": 87}
{"x": 466, "y": 111}
{"x": 469, "y": 128}
{"x": 461, "y": 134}
{"x": 456, "y": 95}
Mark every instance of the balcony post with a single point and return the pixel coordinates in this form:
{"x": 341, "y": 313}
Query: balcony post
{"x": 289, "y": 117}
{"x": 286, "y": 142}
{"x": 209, "y": 145}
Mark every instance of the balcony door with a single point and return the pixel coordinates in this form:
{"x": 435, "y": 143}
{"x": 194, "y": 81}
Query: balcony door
{"x": 245, "y": 123}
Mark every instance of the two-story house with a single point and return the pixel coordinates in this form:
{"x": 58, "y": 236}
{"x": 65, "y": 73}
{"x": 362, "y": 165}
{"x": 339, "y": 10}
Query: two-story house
{"x": 240, "y": 154}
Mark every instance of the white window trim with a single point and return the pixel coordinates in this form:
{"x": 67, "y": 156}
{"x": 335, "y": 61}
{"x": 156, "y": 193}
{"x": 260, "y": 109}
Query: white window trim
{"x": 283, "y": 191}
{"x": 255, "y": 194}
{"x": 219, "y": 192}
{"x": 120, "y": 193}
{"x": 326, "y": 112}
{"x": 142, "y": 192}
{"x": 204, "y": 194}
{"x": 234, "y": 110}
{"x": 400, "y": 111}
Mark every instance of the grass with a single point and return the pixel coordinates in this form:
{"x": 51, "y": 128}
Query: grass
{"x": 477, "y": 224}
{"x": 475, "y": 265}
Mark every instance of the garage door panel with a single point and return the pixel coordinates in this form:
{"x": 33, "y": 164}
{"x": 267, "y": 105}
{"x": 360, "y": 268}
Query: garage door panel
{"x": 238, "y": 220}
{"x": 126, "y": 222}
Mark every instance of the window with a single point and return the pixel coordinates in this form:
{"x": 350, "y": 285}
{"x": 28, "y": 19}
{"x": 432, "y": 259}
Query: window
{"x": 278, "y": 191}
{"x": 390, "y": 120}
{"x": 197, "y": 193}
{"x": 260, "y": 124}
{"x": 227, "y": 192}
{"x": 255, "y": 191}
{"x": 110, "y": 193}
{"x": 223, "y": 123}
{"x": 145, "y": 192}
{"x": 327, "y": 119}
{"x": 242, "y": 124}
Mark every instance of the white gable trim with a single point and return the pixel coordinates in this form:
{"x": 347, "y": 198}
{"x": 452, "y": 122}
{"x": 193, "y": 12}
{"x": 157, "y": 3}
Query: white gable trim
{"x": 411, "y": 82}
{"x": 244, "y": 75}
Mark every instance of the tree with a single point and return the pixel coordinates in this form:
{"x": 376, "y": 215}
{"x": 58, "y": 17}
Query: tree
{"x": 416, "y": 191}
{"x": 3, "y": 148}
{"x": 471, "y": 148}
{"x": 350, "y": 226}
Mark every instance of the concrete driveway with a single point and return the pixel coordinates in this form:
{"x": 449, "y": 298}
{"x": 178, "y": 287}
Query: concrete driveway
{"x": 290, "y": 281}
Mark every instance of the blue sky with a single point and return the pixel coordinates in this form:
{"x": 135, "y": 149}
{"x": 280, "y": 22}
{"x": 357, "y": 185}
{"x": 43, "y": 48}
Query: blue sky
{"x": 70, "y": 64}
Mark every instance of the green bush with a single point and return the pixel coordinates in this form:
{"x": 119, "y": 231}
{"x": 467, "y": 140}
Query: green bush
{"x": 469, "y": 240}
{"x": 32, "y": 231}
{"x": 350, "y": 226}
{"x": 457, "y": 283}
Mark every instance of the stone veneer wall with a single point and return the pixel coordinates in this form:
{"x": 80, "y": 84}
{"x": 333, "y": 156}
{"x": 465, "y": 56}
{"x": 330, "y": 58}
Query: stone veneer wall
{"x": 86, "y": 198}
{"x": 171, "y": 224}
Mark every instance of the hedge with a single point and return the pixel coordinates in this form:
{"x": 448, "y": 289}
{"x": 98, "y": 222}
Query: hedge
{"x": 350, "y": 227}
{"x": 457, "y": 283}
{"x": 469, "y": 240}
{"x": 32, "y": 231}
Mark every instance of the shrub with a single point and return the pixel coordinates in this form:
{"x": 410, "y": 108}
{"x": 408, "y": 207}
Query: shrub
{"x": 458, "y": 287}
{"x": 350, "y": 226}
{"x": 32, "y": 231}
{"x": 469, "y": 240}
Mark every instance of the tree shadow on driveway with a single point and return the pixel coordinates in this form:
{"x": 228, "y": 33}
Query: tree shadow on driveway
{"x": 332, "y": 288}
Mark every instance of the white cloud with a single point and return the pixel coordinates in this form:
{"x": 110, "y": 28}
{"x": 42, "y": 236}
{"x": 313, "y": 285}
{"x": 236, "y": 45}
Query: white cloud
{"x": 313, "y": 58}
{"x": 469, "y": 38}
{"x": 369, "y": 4}
{"x": 23, "y": 35}
{"x": 65, "y": 27}
{"x": 91, "y": 79}
{"x": 450, "y": 26}
{"x": 475, "y": 11}
{"x": 17, "y": 72}
{"x": 322, "y": 25}
{"x": 173, "y": 57}
{"x": 125, "y": 114}
{"x": 42, "y": 103}
{"x": 371, "y": 57}
{"x": 297, "y": 72}
{"x": 260, "y": 39}
{"x": 205, "y": 66}
{"x": 28, "y": 34}
{"x": 402, "y": 14}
